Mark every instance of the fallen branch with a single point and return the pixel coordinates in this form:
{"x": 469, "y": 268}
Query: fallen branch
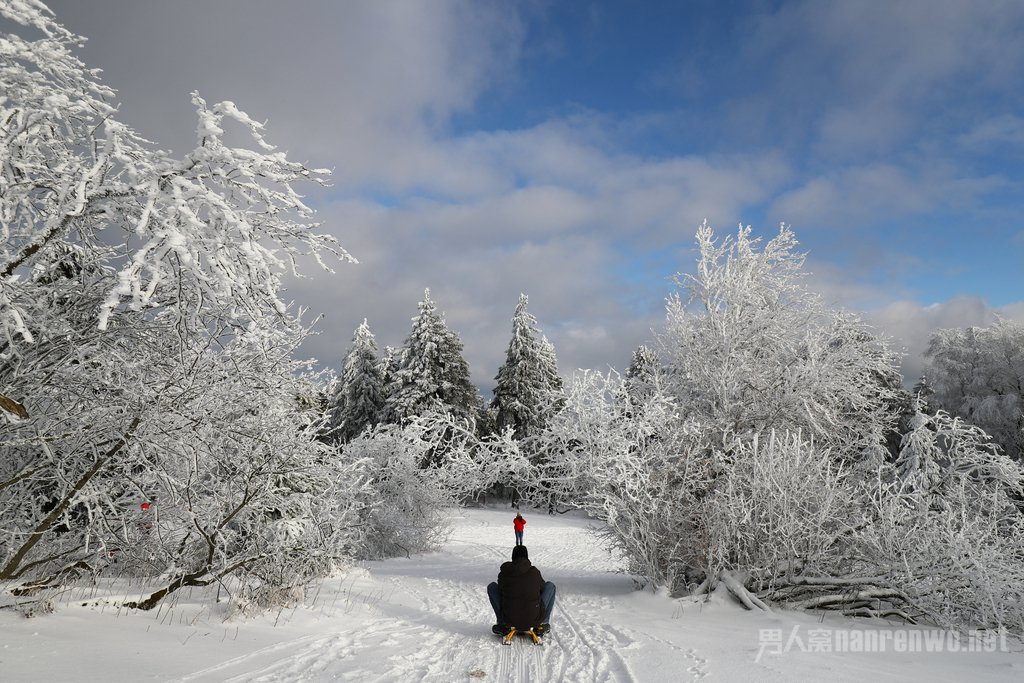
{"x": 736, "y": 587}
{"x": 13, "y": 407}
{"x": 848, "y": 597}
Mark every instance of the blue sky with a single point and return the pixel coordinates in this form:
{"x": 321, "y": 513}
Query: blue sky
{"x": 570, "y": 149}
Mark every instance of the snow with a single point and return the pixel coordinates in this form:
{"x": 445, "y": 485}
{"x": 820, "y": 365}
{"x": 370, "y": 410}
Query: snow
{"x": 427, "y": 618}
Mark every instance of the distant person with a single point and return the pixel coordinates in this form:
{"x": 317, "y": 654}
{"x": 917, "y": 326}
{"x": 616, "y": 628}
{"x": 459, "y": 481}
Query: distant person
{"x": 521, "y": 598}
{"x": 519, "y": 524}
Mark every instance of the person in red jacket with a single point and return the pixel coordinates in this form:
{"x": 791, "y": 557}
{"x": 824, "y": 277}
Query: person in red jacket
{"x": 521, "y": 598}
{"x": 518, "y": 524}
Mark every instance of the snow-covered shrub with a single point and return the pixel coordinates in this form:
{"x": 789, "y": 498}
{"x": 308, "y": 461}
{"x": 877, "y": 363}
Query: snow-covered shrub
{"x": 416, "y": 473}
{"x": 462, "y": 463}
{"x": 782, "y": 507}
{"x": 402, "y": 510}
{"x": 960, "y": 566}
{"x": 947, "y": 530}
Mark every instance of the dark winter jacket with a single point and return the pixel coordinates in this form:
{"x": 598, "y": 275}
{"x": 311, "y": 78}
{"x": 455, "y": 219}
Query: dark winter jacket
{"x": 521, "y": 585}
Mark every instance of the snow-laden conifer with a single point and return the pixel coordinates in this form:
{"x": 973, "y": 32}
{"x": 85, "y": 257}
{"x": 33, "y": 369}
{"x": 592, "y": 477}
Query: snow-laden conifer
{"x": 432, "y": 374}
{"x": 642, "y": 375}
{"x": 528, "y": 386}
{"x": 359, "y": 393}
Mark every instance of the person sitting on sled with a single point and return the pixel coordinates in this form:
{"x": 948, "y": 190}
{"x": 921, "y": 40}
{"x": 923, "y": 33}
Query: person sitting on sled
{"x": 521, "y": 598}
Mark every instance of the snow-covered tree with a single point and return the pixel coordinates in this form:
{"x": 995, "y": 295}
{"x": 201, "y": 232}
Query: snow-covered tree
{"x": 977, "y": 373}
{"x": 922, "y": 391}
{"x": 748, "y": 349}
{"x": 359, "y": 394}
{"x": 144, "y": 338}
{"x": 390, "y": 361}
{"x": 432, "y": 375}
{"x": 528, "y": 389}
{"x": 643, "y": 373}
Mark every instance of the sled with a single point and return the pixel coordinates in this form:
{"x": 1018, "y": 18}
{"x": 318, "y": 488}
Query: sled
{"x": 513, "y": 632}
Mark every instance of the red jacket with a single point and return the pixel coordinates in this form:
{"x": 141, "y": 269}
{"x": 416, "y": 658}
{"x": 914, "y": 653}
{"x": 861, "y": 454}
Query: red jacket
{"x": 518, "y": 523}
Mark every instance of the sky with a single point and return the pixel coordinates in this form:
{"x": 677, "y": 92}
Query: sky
{"x": 569, "y": 150}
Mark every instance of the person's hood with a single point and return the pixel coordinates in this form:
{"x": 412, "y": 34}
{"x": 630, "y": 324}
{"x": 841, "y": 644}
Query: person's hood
{"x": 521, "y": 565}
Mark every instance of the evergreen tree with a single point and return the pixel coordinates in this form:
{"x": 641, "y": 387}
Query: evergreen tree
{"x": 549, "y": 368}
{"x": 923, "y": 391}
{"x": 529, "y": 387}
{"x": 359, "y": 397}
{"x": 432, "y": 375}
{"x": 642, "y": 374}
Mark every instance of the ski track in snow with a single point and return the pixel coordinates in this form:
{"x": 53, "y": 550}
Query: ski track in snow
{"x": 435, "y": 625}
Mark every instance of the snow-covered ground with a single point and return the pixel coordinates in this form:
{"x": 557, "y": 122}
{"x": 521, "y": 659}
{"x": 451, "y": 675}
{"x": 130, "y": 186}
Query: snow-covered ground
{"x": 428, "y": 619}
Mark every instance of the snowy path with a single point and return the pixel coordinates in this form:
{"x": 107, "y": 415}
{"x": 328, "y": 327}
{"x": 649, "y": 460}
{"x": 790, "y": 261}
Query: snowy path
{"x": 433, "y": 620}
{"x": 428, "y": 619}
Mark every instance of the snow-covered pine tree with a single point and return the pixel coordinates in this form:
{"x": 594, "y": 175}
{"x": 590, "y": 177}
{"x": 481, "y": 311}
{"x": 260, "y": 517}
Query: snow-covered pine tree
{"x": 432, "y": 374}
{"x": 549, "y": 367}
{"x": 528, "y": 386}
{"x": 457, "y": 389}
{"x": 390, "y": 361}
{"x": 642, "y": 374}
{"x": 359, "y": 394}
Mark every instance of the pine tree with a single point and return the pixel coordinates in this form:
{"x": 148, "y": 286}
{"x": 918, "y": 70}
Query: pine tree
{"x": 529, "y": 387}
{"x": 432, "y": 374}
{"x": 389, "y": 364}
{"x": 359, "y": 397}
{"x": 549, "y": 368}
{"x": 642, "y": 374}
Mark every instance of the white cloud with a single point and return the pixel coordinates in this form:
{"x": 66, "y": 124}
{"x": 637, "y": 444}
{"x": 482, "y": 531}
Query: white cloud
{"x": 555, "y": 210}
{"x": 995, "y": 132}
{"x": 367, "y": 86}
{"x": 851, "y": 196}
{"x": 869, "y": 72}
